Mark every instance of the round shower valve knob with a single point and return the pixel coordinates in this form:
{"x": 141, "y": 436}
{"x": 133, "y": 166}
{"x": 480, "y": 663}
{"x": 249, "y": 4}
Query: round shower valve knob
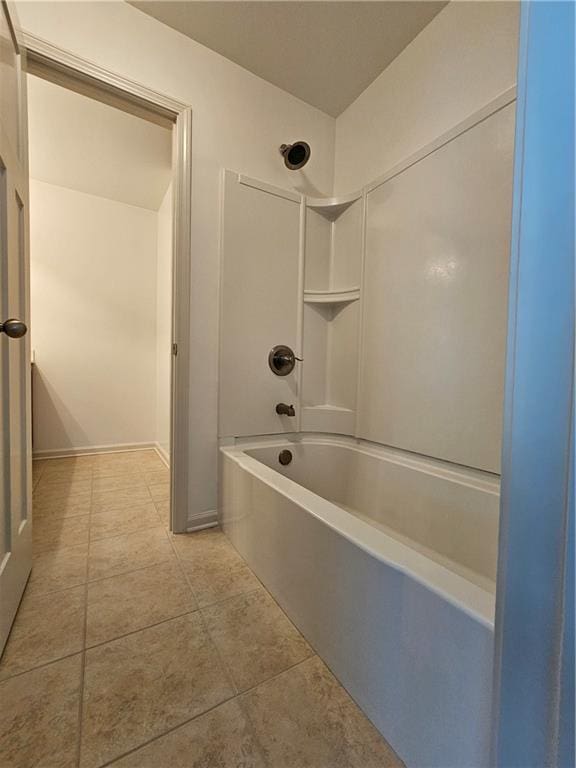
{"x": 282, "y": 360}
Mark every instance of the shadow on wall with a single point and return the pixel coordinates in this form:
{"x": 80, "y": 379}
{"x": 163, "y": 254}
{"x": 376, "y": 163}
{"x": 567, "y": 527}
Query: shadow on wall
{"x": 53, "y": 426}
{"x": 302, "y": 184}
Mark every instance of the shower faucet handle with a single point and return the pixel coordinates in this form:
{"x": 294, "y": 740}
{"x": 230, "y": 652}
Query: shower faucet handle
{"x": 282, "y": 360}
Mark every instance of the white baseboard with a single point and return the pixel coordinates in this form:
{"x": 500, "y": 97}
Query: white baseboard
{"x": 201, "y": 520}
{"x": 164, "y": 455}
{"x": 62, "y": 453}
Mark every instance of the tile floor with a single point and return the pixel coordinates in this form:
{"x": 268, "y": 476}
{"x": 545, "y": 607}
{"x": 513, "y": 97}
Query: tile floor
{"x": 139, "y": 649}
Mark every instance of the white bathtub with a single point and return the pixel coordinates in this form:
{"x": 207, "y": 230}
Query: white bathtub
{"x": 386, "y": 563}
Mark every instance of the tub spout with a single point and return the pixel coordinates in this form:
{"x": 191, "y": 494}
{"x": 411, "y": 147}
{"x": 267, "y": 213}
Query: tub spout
{"x": 285, "y": 410}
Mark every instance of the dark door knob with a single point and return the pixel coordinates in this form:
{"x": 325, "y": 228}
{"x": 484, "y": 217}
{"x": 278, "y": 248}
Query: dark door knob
{"x": 13, "y": 328}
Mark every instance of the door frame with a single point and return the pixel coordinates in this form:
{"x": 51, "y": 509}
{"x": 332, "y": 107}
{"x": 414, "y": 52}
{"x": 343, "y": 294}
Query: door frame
{"x": 56, "y": 63}
{"x": 533, "y": 705}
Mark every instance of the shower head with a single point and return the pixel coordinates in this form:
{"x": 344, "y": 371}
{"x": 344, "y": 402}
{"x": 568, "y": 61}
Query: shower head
{"x": 295, "y": 155}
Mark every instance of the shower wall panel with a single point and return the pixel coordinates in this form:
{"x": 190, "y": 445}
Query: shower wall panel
{"x": 435, "y": 295}
{"x": 260, "y": 304}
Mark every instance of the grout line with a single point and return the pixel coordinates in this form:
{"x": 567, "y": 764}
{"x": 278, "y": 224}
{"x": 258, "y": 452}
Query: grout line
{"x": 229, "y": 598}
{"x": 35, "y": 668}
{"x": 279, "y": 674}
{"x": 167, "y": 732}
{"x": 84, "y": 632}
{"x": 126, "y": 573}
{"x": 143, "y": 527}
{"x": 128, "y": 533}
{"x": 142, "y": 629}
{"x": 187, "y": 581}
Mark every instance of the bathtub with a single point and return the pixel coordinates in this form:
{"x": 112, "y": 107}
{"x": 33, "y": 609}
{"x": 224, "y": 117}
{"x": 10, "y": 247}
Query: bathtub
{"x": 386, "y": 563}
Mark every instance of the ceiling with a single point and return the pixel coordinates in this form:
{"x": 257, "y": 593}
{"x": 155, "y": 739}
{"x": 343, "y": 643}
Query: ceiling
{"x": 83, "y": 144}
{"x": 326, "y": 53}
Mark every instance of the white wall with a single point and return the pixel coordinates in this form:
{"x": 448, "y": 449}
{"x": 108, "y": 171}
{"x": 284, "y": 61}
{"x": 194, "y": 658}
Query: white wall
{"x": 84, "y": 144}
{"x": 164, "y": 324}
{"x": 93, "y": 325}
{"x": 462, "y": 60}
{"x": 239, "y": 122}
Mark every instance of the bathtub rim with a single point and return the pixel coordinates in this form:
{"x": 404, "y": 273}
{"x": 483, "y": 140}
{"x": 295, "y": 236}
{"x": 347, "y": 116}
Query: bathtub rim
{"x": 476, "y": 602}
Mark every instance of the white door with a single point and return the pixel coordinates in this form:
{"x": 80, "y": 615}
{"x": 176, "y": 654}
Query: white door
{"x": 15, "y": 407}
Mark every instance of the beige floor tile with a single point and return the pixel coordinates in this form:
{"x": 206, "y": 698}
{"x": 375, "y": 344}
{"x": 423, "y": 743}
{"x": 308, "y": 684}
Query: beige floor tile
{"x": 113, "y": 470}
{"x": 156, "y": 476}
{"x": 141, "y": 685}
{"x": 56, "y": 533}
{"x": 152, "y": 465}
{"x": 35, "y": 480}
{"x": 305, "y": 718}
{"x": 255, "y": 638}
{"x": 118, "y": 482}
{"x": 121, "y": 554}
{"x": 47, "y": 627}
{"x": 63, "y": 477}
{"x": 221, "y": 738}
{"x": 202, "y": 544}
{"x": 38, "y": 466}
{"x": 150, "y": 460}
{"x": 215, "y": 570}
{"x": 39, "y": 717}
{"x": 163, "y": 509}
{"x": 62, "y": 491}
{"x": 58, "y": 569}
{"x": 127, "y": 520}
{"x": 160, "y": 492}
{"x": 104, "y": 501}
{"x": 69, "y": 462}
{"x": 217, "y": 578}
{"x": 116, "y": 457}
{"x": 136, "y": 600}
{"x": 74, "y": 506}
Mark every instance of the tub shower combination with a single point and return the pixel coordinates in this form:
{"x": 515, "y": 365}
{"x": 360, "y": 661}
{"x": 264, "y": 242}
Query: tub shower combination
{"x": 387, "y": 565}
{"x": 360, "y": 417}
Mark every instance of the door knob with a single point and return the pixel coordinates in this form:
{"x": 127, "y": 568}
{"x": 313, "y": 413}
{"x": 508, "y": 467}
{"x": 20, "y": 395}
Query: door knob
{"x": 13, "y": 328}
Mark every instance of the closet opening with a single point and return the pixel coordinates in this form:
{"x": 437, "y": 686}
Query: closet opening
{"x": 109, "y": 236}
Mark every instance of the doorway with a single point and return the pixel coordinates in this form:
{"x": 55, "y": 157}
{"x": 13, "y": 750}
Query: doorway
{"x": 101, "y": 253}
{"x": 134, "y": 101}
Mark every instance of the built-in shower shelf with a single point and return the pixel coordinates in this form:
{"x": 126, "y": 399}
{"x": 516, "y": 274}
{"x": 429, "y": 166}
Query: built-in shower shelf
{"x": 332, "y": 207}
{"x": 332, "y": 297}
{"x": 328, "y": 418}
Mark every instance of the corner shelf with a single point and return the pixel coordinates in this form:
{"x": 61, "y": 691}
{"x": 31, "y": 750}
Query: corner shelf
{"x": 332, "y": 297}
{"x": 332, "y": 207}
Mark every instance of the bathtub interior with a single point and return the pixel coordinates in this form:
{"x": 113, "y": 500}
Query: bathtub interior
{"x": 449, "y": 514}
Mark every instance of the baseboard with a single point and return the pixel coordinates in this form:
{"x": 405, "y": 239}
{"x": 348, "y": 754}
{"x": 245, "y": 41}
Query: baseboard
{"x": 206, "y": 519}
{"x": 164, "y": 455}
{"x": 62, "y": 453}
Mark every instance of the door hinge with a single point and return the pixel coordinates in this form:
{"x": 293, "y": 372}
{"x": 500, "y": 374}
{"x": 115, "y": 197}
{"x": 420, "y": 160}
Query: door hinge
{"x": 174, "y": 348}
